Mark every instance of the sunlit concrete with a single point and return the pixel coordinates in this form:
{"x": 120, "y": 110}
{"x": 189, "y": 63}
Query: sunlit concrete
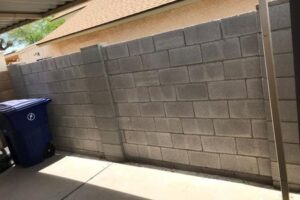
{"x": 71, "y": 177}
{"x": 51, "y": 180}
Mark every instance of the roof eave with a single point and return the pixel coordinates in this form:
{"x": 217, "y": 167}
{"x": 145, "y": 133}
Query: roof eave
{"x": 129, "y": 18}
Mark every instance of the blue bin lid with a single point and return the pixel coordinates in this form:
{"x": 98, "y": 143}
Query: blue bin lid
{"x": 21, "y": 104}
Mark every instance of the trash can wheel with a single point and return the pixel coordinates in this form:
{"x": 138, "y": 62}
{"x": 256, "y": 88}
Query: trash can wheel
{"x": 50, "y": 150}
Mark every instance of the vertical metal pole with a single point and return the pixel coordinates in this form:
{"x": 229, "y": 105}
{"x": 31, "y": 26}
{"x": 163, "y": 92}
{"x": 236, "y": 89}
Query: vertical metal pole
{"x": 273, "y": 93}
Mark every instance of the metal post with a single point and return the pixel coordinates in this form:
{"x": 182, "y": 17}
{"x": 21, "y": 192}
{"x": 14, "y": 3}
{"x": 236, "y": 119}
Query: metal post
{"x": 273, "y": 93}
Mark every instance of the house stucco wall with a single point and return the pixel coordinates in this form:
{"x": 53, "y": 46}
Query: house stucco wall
{"x": 195, "y": 13}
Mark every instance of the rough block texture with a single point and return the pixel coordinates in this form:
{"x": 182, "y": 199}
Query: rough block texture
{"x": 244, "y": 24}
{"x": 220, "y": 50}
{"x": 185, "y": 55}
{"x": 192, "y": 98}
{"x": 202, "y": 33}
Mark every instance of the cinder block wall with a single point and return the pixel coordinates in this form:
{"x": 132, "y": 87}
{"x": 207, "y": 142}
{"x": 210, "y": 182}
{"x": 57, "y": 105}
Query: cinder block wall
{"x": 192, "y": 99}
{"x": 80, "y": 91}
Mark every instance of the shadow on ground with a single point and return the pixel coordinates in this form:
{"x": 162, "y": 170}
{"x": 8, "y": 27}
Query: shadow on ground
{"x": 35, "y": 184}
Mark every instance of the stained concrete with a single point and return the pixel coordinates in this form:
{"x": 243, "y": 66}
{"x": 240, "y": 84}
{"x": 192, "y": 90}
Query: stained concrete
{"x": 76, "y": 178}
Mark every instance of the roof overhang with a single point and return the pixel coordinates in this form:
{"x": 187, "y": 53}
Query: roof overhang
{"x": 16, "y": 13}
{"x": 149, "y": 12}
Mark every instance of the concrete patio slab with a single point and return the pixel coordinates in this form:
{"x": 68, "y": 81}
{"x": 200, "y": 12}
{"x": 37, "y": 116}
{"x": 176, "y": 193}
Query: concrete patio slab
{"x": 76, "y": 178}
{"x": 51, "y": 180}
{"x": 131, "y": 182}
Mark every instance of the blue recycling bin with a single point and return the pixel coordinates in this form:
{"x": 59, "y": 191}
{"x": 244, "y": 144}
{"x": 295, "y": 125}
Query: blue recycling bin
{"x": 24, "y": 124}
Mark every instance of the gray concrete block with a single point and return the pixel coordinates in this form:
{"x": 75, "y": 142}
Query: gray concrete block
{"x": 179, "y": 109}
{"x": 163, "y": 93}
{"x": 249, "y": 45}
{"x": 91, "y": 54}
{"x": 220, "y": 50}
{"x": 173, "y": 76}
{"x": 122, "y": 81}
{"x": 103, "y": 110}
{"x": 175, "y": 156}
{"x": 280, "y": 16}
{"x": 25, "y": 69}
{"x": 80, "y": 133}
{"x": 107, "y": 123}
{"x": 282, "y": 41}
{"x": 206, "y": 72}
{"x": 135, "y": 137}
{"x": 201, "y": 159}
{"x": 292, "y": 170}
{"x": 259, "y": 129}
{"x": 247, "y": 109}
{"x": 39, "y": 89}
{"x": 218, "y": 144}
{"x": 192, "y": 92}
{"x": 232, "y": 127}
{"x": 284, "y": 64}
{"x": 185, "y": 55}
{"x": 192, "y": 142}
{"x": 117, "y": 51}
{"x": 292, "y": 153}
{"x": 83, "y": 122}
{"x": 110, "y": 137}
{"x": 211, "y": 109}
{"x": 149, "y": 78}
{"x": 112, "y": 66}
{"x": 93, "y": 69}
{"x": 75, "y": 58}
{"x": 227, "y": 89}
{"x": 130, "y": 64}
{"x": 286, "y": 88}
{"x": 290, "y": 132}
{"x": 242, "y": 68}
{"x": 159, "y": 139}
{"x": 254, "y": 88}
{"x": 36, "y": 67}
{"x": 115, "y": 151}
{"x": 62, "y": 61}
{"x": 288, "y": 111}
{"x": 142, "y": 123}
{"x": 120, "y": 95}
{"x": 124, "y": 123}
{"x": 128, "y": 109}
{"x": 154, "y": 109}
{"x": 264, "y": 166}
{"x": 156, "y": 60}
{"x": 172, "y": 125}
{"x": 73, "y": 72}
{"x": 240, "y": 25}
{"x": 131, "y": 150}
{"x": 198, "y": 126}
{"x": 93, "y": 97}
{"x": 169, "y": 40}
{"x": 141, "y": 46}
{"x": 139, "y": 94}
{"x": 252, "y": 147}
{"x": 49, "y": 64}
{"x": 97, "y": 84}
{"x": 239, "y": 163}
{"x": 202, "y": 33}
{"x": 149, "y": 152}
